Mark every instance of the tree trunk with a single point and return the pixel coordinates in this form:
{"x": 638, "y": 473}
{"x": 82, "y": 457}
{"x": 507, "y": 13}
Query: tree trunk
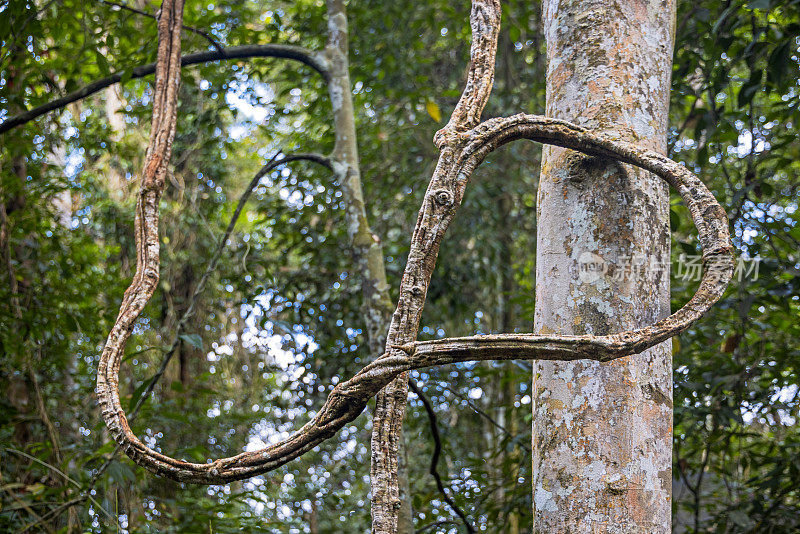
{"x": 602, "y": 432}
{"x": 367, "y": 249}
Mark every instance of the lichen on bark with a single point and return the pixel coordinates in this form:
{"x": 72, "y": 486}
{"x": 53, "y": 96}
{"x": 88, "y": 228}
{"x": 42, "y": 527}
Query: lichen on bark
{"x": 464, "y": 143}
{"x": 603, "y": 433}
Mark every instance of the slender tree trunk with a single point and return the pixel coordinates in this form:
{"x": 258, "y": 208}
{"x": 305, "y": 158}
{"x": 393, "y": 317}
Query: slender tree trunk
{"x": 115, "y": 179}
{"x": 602, "y": 432}
{"x": 367, "y": 249}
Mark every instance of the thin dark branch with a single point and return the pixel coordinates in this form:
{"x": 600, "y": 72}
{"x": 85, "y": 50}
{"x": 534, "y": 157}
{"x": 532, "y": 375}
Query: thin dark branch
{"x": 437, "y": 450}
{"x": 296, "y": 53}
{"x": 192, "y": 29}
{"x": 55, "y": 512}
{"x": 275, "y": 162}
{"x": 210, "y": 267}
{"x": 212, "y": 264}
{"x": 41, "y": 407}
{"x": 486, "y": 416}
{"x": 699, "y": 482}
{"x": 429, "y": 526}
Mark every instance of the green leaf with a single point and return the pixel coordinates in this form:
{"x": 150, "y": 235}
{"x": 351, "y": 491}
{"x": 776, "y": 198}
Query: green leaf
{"x": 36, "y": 488}
{"x": 175, "y": 416}
{"x": 102, "y": 63}
{"x": 779, "y": 65}
{"x": 125, "y": 76}
{"x": 193, "y": 339}
{"x": 687, "y": 248}
{"x": 750, "y": 88}
{"x": 138, "y": 392}
{"x": 121, "y": 473}
{"x": 674, "y": 221}
{"x": 196, "y": 453}
{"x": 107, "y": 448}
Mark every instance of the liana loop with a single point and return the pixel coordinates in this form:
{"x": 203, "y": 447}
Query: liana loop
{"x": 349, "y": 398}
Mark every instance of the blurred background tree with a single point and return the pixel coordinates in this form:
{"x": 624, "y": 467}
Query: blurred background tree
{"x": 281, "y": 320}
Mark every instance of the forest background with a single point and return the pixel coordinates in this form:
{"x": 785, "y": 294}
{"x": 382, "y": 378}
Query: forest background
{"x": 280, "y": 321}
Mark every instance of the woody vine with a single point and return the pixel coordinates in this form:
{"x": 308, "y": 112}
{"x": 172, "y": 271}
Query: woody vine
{"x": 463, "y": 143}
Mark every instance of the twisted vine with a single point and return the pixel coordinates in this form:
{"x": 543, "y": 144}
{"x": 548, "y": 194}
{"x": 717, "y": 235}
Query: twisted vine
{"x": 464, "y": 143}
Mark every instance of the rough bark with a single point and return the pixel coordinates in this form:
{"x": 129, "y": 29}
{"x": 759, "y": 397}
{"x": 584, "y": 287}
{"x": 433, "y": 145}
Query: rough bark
{"x": 441, "y": 200}
{"x": 366, "y": 246}
{"x": 197, "y": 31}
{"x": 602, "y": 434}
{"x": 349, "y": 398}
{"x": 464, "y": 144}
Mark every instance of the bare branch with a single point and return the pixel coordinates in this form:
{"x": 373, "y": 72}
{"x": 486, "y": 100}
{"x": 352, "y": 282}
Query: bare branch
{"x": 192, "y": 29}
{"x": 154, "y": 172}
{"x": 485, "y": 23}
{"x": 349, "y": 398}
{"x": 437, "y": 450}
{"x": 461, "y": 153}
{"x": 486, "y": 416}
{"x": 441, "y": 201}
{"x": 314, "y": 60}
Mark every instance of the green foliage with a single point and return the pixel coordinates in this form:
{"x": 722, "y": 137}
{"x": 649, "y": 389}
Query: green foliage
{"x": 280, "y": 321}
{"x": 735, "y": 108}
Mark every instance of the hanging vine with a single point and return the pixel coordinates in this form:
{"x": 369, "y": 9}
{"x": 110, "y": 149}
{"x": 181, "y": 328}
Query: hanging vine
{"x": 464, "y": 143}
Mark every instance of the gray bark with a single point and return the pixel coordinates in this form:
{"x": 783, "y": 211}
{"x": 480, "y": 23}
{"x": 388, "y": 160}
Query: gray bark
{"x": 602, "y": 433}
{"x": 464, "y": 143}
{"x": 367, "y": 249}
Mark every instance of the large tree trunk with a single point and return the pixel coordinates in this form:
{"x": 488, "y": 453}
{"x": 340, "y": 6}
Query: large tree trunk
{"x": 602, "y": 432}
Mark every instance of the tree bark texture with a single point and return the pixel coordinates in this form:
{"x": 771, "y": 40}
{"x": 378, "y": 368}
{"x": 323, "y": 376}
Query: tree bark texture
{"x": 464, "y": 143}
{"x": 602, "y": 433}
{"x": 367, "y": 250}
{"x": 442, "y": 198}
